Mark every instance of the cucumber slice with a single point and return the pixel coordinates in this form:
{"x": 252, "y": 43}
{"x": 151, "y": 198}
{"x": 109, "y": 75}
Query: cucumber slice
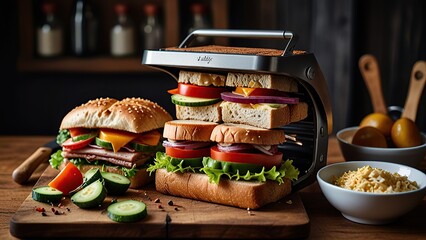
{"x": 231, "y": 167}
{"x": 90, "y": 176}
{"x": 103, "y": 143}
{"x": 84, "y": 136}
{"x": 127, "y": 211}
{"x": 46, "y": 194}
{"x": 115, "y": 183}
{"x": 192, "y": 101}
{"x": 187, "y": 162}
{"x": 144, "y": 148}
{"x": 91, "y": 196}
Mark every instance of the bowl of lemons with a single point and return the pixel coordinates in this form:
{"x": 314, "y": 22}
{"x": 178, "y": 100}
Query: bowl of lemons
{"x": 379, "y": 138}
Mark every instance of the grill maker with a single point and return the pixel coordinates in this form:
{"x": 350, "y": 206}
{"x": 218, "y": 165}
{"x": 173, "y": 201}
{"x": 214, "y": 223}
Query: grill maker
{"x": 313, "y": 132}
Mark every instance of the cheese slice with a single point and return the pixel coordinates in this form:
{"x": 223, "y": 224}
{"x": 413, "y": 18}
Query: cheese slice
{"x": 117, "y": 138}
{"x": 244, "y": 91}
{"x": 266, "y": 105}
{"x": 150, "y": 138}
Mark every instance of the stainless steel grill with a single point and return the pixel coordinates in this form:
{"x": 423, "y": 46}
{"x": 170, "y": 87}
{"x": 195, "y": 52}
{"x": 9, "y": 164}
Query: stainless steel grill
{"x": 312, "y": 132}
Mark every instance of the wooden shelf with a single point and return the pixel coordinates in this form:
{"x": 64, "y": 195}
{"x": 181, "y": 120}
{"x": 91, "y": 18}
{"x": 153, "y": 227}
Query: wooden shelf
{"x": 93, "y": 64}
{"x": 103, "y": 63}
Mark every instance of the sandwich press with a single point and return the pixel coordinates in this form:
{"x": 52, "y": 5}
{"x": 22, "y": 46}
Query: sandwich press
{"x": 308, "y": 139}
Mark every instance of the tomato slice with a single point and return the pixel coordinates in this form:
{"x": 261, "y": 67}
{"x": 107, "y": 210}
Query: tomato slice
{"x": 70, "y": 144}
{"x": 259, "y": 92}
{"x": 190, "y": 90}
{"x": 187, "y": 153}
{"x": 268, "y": 161}
{"x": 79, "y": 131}
{"x": 68, "y": 179}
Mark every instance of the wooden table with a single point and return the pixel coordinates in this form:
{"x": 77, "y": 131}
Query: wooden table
{"x": 326, "y": 221}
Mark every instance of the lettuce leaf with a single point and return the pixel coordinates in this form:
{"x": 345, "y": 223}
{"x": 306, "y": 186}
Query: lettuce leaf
{"x": 162, "y": 160}
{"x": 56, "y": 159}
{"x": 287, "y": 170}
{"x": 62, "y": 136}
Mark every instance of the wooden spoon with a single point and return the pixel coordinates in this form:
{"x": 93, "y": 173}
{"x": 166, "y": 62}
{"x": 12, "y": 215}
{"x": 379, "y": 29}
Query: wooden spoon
{"x": 417, "y": 82}
{"x": 370, "y": 72}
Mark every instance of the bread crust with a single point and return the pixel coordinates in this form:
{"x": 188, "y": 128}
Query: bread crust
{"x": 263, "y": 117}
{"x": 242, "y": 194}
{"x": 210, "y": 113}
{"x": 141, "y": 178}
{"x": 202, "y": 79}
{"x": 191, "y": 130}
{"x": 240, "y": 133}
{"x": 130, "y": 114}
{"x": 258, "y": 80}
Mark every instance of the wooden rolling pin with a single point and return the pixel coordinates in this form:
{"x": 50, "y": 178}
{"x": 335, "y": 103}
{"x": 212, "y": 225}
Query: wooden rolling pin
{"x": 417, "y": 83}
{"x": 371, "y": 74}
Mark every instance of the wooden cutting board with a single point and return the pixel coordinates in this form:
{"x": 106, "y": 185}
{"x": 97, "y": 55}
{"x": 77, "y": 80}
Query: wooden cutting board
{"x": 184, "y": 219}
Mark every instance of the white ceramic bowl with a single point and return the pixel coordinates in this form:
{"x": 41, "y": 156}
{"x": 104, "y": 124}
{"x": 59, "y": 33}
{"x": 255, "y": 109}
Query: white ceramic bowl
{"x": 371, "y": 208}
{"x": 411, "y": 156}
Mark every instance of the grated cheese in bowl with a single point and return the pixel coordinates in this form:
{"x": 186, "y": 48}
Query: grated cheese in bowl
{"x": 375, "y": 180}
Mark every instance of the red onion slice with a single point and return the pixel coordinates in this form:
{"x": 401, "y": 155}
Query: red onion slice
{"x": 265, "y": 149}
{"x": 186, "y": 144}
{"x": 95, "y": 146}
{"x": 232, "y": 97}
{"x": 234, "y": 147}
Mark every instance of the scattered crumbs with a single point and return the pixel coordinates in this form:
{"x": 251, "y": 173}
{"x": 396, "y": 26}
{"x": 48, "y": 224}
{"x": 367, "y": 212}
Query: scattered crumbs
{"x": 289, "y": 202}
{"x": 40, "y": 209}
{"x": 176, "y": 209}
{"x": 59, "y": 212}
{"x": 69, "y": 210}
{"x": 160, "y": 207}
{"x": 53, "y": 209}
{"x": 170, "y": 203}
{"x": 249, "y": 212}
{"x": 44, "y": 214}
{"x": 157, "y": 200}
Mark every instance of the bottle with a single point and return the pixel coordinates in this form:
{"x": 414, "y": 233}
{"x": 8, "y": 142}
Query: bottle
{"x": 49, "y": 33}
{"x": 200, "y": 20}
{"x": 84, "y": 29}
{"x": 151, "y": 28}
{"x": 122, "y": 34}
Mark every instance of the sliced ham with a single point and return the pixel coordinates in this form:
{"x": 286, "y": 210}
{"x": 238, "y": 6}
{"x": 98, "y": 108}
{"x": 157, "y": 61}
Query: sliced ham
{"x": 121, "y": 158}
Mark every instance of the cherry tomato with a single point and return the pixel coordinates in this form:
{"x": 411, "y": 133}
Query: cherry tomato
{"x": 187, "y": 153}
{"x": 68, "y": 179}
{"x": 190, "y": 90}
{"x": 70, "y": 144}
{"x": 268, "y": 161}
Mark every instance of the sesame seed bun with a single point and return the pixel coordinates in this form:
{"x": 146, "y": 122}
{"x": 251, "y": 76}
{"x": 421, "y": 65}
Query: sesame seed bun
{"x": 241, "y": 133}
{"x": 131, "y": 114}
{"x": 191, "y": 130}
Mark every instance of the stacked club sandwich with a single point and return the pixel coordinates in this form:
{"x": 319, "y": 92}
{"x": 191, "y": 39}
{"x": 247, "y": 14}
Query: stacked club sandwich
{"x": 233, "y": 159}
{"x": 116, "y": 136}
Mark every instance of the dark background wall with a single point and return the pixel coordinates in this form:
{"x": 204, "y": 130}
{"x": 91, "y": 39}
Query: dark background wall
{"x": 337, "y": 32}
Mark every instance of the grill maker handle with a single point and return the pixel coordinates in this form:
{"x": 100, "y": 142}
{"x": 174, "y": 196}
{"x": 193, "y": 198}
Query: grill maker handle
{"x": 290, "y": 37}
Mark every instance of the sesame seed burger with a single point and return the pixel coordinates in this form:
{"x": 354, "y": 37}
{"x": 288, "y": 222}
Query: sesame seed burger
{"x": 116, "y": 136}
